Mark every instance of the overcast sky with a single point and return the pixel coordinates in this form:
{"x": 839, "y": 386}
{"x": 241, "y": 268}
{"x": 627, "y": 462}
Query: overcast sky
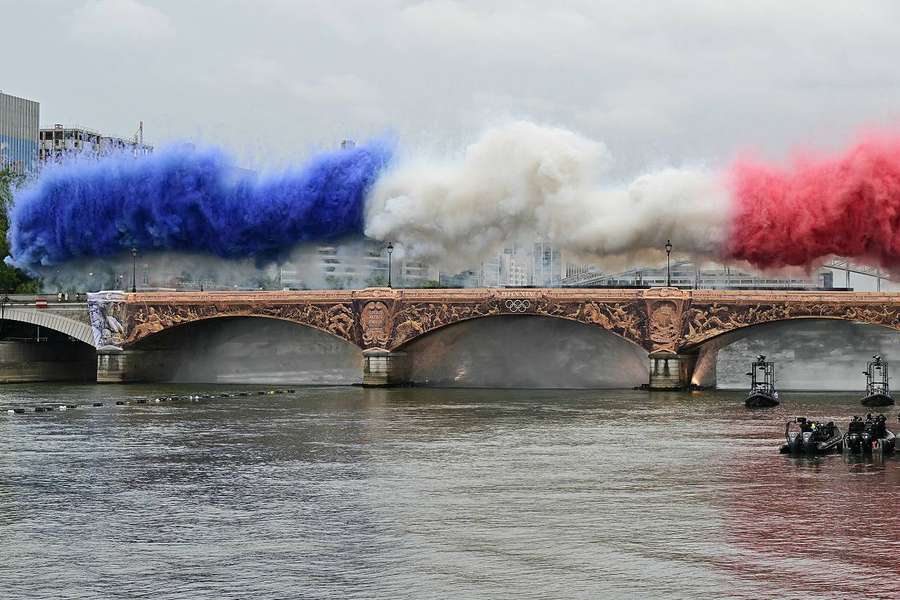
{"x": 658, "y": 82}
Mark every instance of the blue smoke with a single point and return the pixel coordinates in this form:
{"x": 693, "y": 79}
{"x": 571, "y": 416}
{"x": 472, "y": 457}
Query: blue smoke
{"x": 182, "y": 199}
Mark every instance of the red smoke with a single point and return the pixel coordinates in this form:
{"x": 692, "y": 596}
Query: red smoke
{"x": 847, "y": 206}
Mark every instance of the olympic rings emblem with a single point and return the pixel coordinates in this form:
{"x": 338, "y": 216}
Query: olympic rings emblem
{"x": 517, "y": 305}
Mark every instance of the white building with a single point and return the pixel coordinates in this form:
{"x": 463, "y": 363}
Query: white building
{"x": 59, "y": 142}
{"x": 356, "y": 265}
{"x": 511, "y": 268}
{"x": 18, "y": 133}
{"x": 837, "y": 274}
{"x": 548, "y": 268}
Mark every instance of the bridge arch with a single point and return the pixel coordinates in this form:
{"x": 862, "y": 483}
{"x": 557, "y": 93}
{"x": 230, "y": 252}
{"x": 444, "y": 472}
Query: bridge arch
{"x": 144, "y": 332}
{"x": 809, "y": 352}
{"x": 524, "y": 351}
{"x": 625, "y": 320}
{"x": 708, "y": 321}
{"x": 40, "y": 317}
{"x": 246, "y": 349}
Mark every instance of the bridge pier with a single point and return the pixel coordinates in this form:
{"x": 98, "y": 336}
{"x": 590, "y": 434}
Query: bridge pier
{"x": 384, "y": 369}
{"x": 115, "y": 366}
{"x": 132, "y": 366}
{"x": 670, "y": 371}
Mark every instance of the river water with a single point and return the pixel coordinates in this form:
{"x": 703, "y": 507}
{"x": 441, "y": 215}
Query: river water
{"x": 433, "y": 493}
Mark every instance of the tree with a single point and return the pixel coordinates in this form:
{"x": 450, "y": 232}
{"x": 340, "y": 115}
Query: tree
{"x": 376, "y": 280}
{"x": 11, "y": 279}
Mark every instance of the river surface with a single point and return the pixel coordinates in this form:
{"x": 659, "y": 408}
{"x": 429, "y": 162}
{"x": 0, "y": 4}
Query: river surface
{"x": 434, "y": 493}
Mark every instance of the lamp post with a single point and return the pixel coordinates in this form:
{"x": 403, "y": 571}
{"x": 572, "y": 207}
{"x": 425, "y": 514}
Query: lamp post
{"x": 133, "y": 269}
{"x": 668, "y": 263}
{"x": 390, "y": 250}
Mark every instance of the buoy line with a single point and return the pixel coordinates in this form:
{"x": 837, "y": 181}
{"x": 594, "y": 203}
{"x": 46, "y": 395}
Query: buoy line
{"x": 42, "y": 408}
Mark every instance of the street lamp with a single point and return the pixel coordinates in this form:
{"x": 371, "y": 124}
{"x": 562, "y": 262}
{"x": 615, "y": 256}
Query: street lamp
{"x": 133, "y": 269}
{"x": 668, "y": 263}
{"x": 390, "y": 250}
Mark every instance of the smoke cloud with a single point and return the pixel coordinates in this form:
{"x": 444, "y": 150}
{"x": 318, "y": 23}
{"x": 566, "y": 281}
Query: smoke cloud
{"x": 187, "y": 200}
{"x": 522, "y": 182}
{"x": 846, "y": 205}
{"x": 516, "y": 184}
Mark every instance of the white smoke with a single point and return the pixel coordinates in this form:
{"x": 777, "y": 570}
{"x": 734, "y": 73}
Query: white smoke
{"x": 522, "y": 182}
{"x": 301, "y": 267}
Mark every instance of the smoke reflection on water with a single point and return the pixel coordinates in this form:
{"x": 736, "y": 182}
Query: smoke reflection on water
{"x": 809, "y": 354}
{"x": 526, "y": 352}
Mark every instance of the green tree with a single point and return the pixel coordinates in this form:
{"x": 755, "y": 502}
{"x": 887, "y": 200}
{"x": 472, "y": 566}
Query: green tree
{"x": 11, "y": 279}
{"x": 376, "y": 280}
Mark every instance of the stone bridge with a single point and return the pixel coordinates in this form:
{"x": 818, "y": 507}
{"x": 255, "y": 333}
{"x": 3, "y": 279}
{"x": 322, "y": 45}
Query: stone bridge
{"x": 45, "y": 341}
{"x": 675, "y": 327}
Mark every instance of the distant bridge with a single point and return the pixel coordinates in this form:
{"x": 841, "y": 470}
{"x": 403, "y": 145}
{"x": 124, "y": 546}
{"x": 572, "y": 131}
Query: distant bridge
{"x": 675, "y": 327}
{"x": 29, "y": 351}
{"x": 68, "y": 318}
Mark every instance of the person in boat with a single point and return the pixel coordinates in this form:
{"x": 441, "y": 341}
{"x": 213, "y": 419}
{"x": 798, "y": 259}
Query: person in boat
{"x": 879, "y": 427}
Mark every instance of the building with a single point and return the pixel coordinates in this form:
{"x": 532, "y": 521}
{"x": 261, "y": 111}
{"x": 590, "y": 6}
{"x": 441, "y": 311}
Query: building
{"x": 547, "y": 265}
{"x": 19, "y": 126}
{"x": 837, "y": 274}
{"x": 511, "y": 268}
{"x": 354, "y": 265}
{"x": 416, "y": 274}
{"x": 59, "y": 142}
{"x": 581, "y": 270}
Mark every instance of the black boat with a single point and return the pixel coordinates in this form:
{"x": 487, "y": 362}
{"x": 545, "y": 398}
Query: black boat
{"x": 878, "y": 392}
{"x": 811, "y": 437}
{"x": 869, "y": 435}
{"x": 762, "y": 384}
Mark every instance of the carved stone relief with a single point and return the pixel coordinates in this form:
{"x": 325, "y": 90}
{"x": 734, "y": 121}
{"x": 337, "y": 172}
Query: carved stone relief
{"x": 376, "y": 323}
{"x": 144, "y": 320}
{"x": 623, "y": 318}
{"x": 107, "y": 312}
{"x": 666, "y": 320}
{"x": 665, "y": 326}
{"x": 703, "y": 321}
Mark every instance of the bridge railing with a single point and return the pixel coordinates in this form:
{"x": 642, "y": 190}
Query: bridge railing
{"x": 34, "y": 299}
